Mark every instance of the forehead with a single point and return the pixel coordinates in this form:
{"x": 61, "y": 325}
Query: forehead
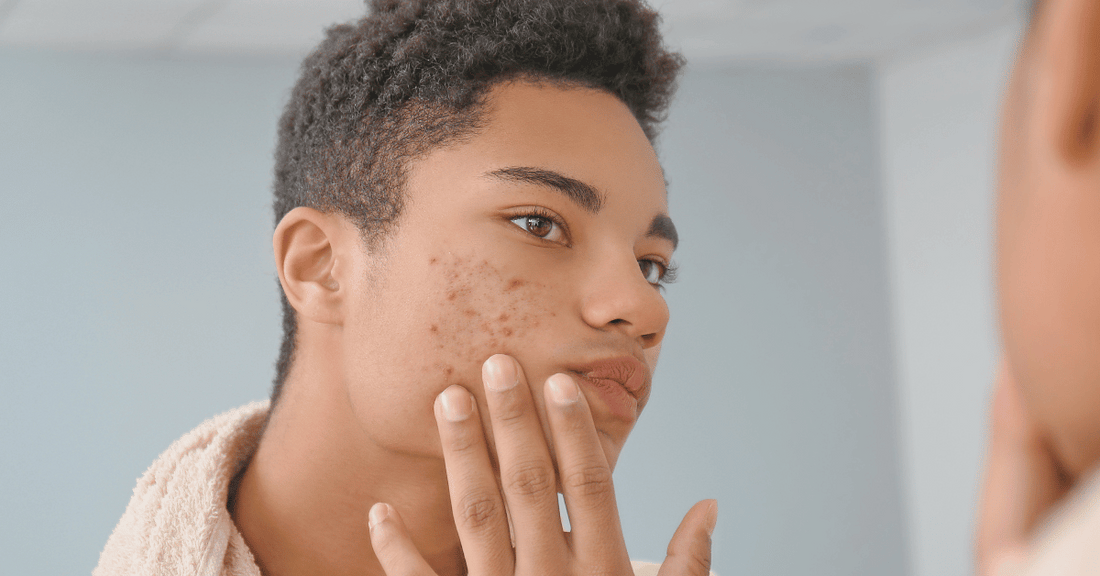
{"x": 584, "y": 133}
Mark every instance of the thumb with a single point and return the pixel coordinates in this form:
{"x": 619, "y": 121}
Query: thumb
{"x": 393, "y": 547}
{"x": 689, "y": 549}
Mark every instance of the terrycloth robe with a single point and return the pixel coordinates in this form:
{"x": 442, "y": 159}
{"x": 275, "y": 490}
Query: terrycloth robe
{"x": 1069, "y": 542}
{"x": 177, "y": 522}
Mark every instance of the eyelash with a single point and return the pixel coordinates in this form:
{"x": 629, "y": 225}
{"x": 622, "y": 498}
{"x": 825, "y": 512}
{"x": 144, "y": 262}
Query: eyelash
{"x": 669, "y": 269}
{"x": 668, "y": 274}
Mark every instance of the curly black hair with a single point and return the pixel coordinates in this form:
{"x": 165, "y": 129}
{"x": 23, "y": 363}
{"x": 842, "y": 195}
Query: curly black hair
{"x": 411, "y": 76}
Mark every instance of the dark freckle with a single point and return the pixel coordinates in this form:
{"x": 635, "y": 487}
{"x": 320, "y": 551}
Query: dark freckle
{"x": 469, "y": 312}
{"x": 503, "y": 317}
{"x": 435, "y": 328}
{"x": 507, "y": 331}
{"x": 515, "y": 283}
{"x": 449, "y": 370}
{"x": 433, "y": 260}
{"x": 452, "y": 295}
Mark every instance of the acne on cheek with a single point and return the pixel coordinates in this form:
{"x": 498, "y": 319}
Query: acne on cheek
{"x": 481, "y": 311}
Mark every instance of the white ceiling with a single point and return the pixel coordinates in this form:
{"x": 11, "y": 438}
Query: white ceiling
{"x": 706, "y": 30}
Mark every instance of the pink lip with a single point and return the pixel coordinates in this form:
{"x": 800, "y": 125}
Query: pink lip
{"x": 622, "y": 383}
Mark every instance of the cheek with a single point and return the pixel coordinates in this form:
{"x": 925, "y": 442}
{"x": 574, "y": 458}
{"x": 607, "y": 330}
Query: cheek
{"x": 479, "y": 310}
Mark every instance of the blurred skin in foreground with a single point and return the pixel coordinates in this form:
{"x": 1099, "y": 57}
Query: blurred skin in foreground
{"x": 1045, "y": 422}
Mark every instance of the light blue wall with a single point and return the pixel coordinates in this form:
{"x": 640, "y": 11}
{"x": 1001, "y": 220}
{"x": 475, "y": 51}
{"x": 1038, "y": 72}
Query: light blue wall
{"x": 775, "y": 390}
{"x": 138, "y": 295}
{"x": 139, "y": 298}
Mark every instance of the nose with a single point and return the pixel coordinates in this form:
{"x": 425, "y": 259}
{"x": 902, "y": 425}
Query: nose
{"x": 619, "y": 298}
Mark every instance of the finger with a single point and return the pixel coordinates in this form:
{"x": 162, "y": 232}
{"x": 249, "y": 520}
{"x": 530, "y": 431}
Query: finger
{"x": 527, "y": 474}
{"x": 689, "y": 549}
{"x": 585, "y": 475}
{"x": 476, "y": 503}
{"x": 1022, "y": 480}
{"x": 392, "y": 545}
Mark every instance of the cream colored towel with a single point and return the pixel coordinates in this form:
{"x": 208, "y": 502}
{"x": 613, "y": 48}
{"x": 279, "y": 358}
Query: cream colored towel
{"x": 1069, "y": 543}
{"x": 177, "y": 522}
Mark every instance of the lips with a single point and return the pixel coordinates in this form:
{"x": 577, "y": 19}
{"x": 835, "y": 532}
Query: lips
{"x": 621, "y": 383}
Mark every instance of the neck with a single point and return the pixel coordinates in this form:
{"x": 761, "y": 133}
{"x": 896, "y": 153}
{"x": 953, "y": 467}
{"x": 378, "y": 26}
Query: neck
{"x": 302, "y": 502}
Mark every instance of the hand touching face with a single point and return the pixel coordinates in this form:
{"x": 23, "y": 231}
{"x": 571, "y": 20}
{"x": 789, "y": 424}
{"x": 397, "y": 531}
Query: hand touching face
{"x": 522, "y": 498}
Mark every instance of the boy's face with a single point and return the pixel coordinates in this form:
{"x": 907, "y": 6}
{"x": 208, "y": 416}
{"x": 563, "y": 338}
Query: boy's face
{"x": 1048, "y": 248}
{"x": 497, "y": 253}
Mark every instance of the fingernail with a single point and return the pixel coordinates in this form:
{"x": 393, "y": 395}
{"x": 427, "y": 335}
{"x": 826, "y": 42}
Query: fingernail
{"x": 563, "y": 391}
{"x": 499, "y": 373}
{"x": 378, "y": 514}
{"x": 712, "y": 518}
{"x": 455, "y": 403}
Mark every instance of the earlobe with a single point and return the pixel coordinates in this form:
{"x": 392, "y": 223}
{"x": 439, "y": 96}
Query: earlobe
{"x": 306, "y": 256}
{"x": 1072, "y": 59}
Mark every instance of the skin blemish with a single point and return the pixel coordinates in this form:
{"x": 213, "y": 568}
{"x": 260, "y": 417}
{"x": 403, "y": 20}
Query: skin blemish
{"x": 479, "y": 312}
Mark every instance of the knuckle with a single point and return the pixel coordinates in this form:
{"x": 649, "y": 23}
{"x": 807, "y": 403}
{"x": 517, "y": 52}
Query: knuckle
{"x": 590, "y": 482}
{"x": 531, "y": 480}
{"x": 695, "y": 556}
{"x": 464, "y": 440}
{"x": 479, "y": 510}
{"x": 510, "y": 411}
{"x": 699, "y": 560}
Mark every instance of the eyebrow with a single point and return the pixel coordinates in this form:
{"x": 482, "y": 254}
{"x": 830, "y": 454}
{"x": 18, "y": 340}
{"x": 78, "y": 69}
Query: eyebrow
{"x": 584, "y": 195}
{"x": 662, "y": 227}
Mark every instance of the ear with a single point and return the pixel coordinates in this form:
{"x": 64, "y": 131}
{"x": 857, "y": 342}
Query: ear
{"x": 1070, "y": 55}
{"x": 310, "y": 264}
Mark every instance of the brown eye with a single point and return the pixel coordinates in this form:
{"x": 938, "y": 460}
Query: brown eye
{"x": 539, "y": 226}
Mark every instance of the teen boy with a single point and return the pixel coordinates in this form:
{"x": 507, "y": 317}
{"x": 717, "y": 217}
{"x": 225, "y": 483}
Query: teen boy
{"x": 1040, "y": 510}
{"x": 472, "y": 237}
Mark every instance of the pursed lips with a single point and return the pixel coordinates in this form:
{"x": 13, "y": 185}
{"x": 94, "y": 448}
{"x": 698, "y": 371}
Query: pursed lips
{"x": 622, "y": 383}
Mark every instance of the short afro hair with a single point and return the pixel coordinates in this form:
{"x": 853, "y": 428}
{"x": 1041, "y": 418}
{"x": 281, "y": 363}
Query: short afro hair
{"x": 411, "y": 76}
